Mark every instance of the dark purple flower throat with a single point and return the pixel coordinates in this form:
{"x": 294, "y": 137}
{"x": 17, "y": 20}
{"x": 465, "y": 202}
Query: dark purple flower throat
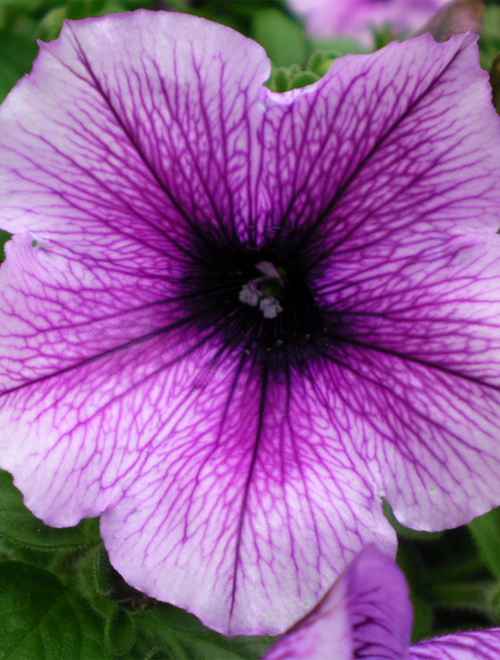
{"x": 258, "y": 300}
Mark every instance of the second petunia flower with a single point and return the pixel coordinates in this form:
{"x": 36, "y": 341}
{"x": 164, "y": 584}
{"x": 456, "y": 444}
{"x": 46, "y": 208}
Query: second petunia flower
{"x": 367, "y": 614}
{"x": 232, "y": 321}
{"x": 358, "y": 18}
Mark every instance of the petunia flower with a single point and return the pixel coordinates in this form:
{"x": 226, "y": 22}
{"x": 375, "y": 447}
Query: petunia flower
{"x": 367, "y": 614}
{"x": 357, "y": 18}
{"x": 232, "y": 321}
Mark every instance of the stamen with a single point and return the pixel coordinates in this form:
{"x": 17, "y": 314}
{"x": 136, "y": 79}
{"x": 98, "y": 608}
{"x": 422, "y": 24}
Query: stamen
{"x": 270, "y": 307}
{"x": 264, "y": 291}
{"x": 249, "y": 296}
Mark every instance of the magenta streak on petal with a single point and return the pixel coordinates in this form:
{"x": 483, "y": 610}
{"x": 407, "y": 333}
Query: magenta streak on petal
{"x": 239, "y": 461}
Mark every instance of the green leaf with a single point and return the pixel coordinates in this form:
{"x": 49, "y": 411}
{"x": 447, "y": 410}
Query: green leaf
{"x": 489, "y": 42}
{"x": 495, "y": 82}
{"x": 187, "y": 628}
{"x": 286, "y": 78}
{"x": 470, "y": 596}
{"x": 17, "y": 53}
{"x": 303, "y": 79}
{"x": 159, "y": 654}
{"x": 486, "y": 533}
{"x": 495, "y": 603}
{"x": 180, "y": 620}
{"x": 189, "y": 640}
{"x": 104, "y": 573}
{"x": 20, "y": 526}
{"x": 51, "y": 24}
{"x": 281, "y": 37}
{"x": 339, "y": 45}
{"x": 320, "y": 62}
{"x": 422, "y": 619}
{"x": 109, "y": 584}
{"x": 281, "y": 78}
{"x": 42, "y": 620}
{"x": 119, "y": 632}
{"x": 4, "y": 237}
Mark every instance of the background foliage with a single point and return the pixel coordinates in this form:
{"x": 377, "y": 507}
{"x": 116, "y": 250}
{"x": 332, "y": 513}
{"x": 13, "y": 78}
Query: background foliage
{"x": 60, "y": 599}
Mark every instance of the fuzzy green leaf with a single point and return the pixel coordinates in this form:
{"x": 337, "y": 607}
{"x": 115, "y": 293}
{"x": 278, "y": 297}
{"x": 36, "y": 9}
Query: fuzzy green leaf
{"x": 119, "y": 632}
{"x": 42, "y": 620}
{"x": 486, "y": 533}
{"x": 167, "y": 632}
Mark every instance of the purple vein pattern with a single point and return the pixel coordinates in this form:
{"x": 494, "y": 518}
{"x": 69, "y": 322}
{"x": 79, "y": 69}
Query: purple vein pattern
{"x": 357, "y": 18}
{"x": 231, "y": 321}
{"x": 367, "y": 614}
{"x": 477, "y": 645}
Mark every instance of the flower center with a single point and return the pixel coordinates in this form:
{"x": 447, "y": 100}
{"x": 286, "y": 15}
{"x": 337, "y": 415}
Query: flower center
{"x": 259, "y": 301}
{"x": 264, "y": 292}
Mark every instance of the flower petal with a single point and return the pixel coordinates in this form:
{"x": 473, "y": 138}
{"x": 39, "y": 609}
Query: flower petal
{"x": 226, "y": 488}
{"x": 426, "y": 367}
{"x": 116, "y": 404}
{"x": 421, "y": 386}
{"x": 367, "y": 613}
{"x": 246, "y": 509}
{"x": 223, "y": 492}
{"x": 397, "y": 141}
{"x": 334, "y": 17}
{"x": 133, "y": 133}
{"x": 401, "y": 224}
{"x": 73, "y": 342}
{"x": 477, "y": 645}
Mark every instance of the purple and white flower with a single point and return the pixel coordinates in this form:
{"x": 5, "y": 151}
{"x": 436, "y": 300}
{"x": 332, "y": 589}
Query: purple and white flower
{"x": 367, "y": 614}
{"x": 357, "y": 18}
{"x": 231, "y": 320}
